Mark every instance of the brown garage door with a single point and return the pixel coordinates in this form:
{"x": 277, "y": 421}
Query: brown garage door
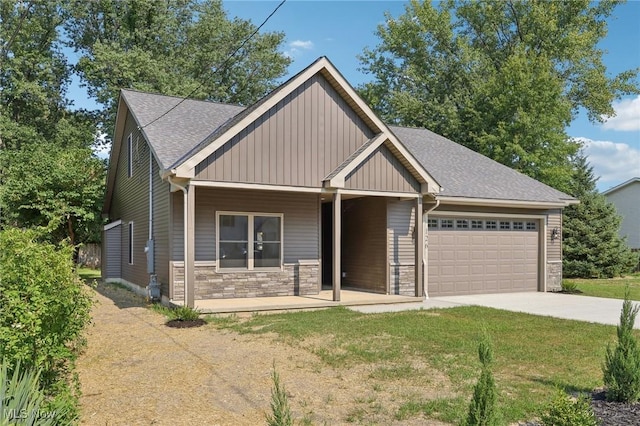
{"x": 473, "y": 255}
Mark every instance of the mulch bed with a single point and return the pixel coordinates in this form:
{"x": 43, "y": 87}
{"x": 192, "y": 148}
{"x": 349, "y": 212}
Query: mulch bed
{"x": 614, "y": 413}
{"x": 176, "y": 323}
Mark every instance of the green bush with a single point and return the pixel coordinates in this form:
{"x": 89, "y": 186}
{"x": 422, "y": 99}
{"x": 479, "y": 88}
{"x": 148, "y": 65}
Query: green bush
{"x": 280, "y": 410}
{"x": 43, "y": 311}
{"x": 184, "y": 313}
{"x": 622, "y": 365}
{"x": 563, "y": 411}
{"x": 569, "y": 286}
{"x": 483, "y": 410}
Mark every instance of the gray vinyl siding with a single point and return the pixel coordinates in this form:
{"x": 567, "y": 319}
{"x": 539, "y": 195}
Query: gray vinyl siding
{"x": 161, "y": 193}
{"x": 297, "y": 142}
{"x": 554, "y": 248}
{"x": 300, "y": 220}
{"x": 627, "y": 202}
{"x": 130, "y": 203}
{"x": 364, "y": 244}
{"x": 400, "y": 230}
{"x": 112, "y": 242}
{"x": 382, "y": 171}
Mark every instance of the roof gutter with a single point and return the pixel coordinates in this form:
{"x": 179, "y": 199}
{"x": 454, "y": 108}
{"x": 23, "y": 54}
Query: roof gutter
{"x": 467, "y": 201}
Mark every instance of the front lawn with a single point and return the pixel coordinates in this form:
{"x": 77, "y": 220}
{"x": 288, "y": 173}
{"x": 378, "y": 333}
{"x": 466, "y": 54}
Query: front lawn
{"x": 610, "y": 288}
{"x": 437, "y": 350}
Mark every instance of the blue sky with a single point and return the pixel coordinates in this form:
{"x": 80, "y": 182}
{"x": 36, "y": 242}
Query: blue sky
{"x": 341, "y": 30}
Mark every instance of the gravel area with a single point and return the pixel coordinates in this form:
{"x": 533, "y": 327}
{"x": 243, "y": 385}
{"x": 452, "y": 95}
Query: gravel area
{"x": 137, "y": 371}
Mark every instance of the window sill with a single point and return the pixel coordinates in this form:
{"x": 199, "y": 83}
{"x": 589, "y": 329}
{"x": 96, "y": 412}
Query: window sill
{"x": 245, "y": 270}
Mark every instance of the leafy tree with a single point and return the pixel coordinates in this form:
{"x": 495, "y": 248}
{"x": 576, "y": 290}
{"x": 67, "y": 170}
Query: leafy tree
{"x": 622, "y": 365}
{"x": 173, "y": 47}
{"x": 502, "y": 78}
{"x": 57, "y": 188}
{"x": 33, "y": 73}
{"x": 592, "y": 245}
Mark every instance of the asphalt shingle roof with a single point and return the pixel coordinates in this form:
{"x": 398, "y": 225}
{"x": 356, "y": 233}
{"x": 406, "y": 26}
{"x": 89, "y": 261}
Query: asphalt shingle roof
{"x": 183, "y": 128}
{"x": 460, "y": 171}
{"x": 464, "y": 173}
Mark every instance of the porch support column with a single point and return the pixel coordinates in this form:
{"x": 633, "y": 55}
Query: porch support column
{"x": 419, "y": 233}
{"x": 337, "y": 239}
{"x": 189, "y": 245}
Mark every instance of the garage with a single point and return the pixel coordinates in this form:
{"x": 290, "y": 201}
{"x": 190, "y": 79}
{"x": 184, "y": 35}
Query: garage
{"x": 473, "y": 255}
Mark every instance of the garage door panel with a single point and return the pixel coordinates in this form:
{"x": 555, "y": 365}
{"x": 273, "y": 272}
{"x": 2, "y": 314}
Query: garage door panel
{"x": 472, "y": 261}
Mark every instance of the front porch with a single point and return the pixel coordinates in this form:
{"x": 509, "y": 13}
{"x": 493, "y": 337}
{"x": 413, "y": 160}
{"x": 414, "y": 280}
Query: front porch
{"x": 324, "y": 299}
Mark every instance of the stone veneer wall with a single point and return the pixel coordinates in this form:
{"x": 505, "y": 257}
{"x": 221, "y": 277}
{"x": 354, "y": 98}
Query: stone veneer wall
{"x": 554, "y": 276}
{"x": 292, "y": 280}
{"x": 402, "y": 279}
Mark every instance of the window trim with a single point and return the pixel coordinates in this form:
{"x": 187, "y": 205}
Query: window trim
{"x": 130, "y": 243}
{"x": 130, "y": 154}
{"x": 250, "y": 241}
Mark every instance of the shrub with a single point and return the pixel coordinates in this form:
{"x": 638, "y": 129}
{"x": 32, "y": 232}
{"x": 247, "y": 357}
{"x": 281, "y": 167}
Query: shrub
{"x": 483, "y": 408}
{"x": 563, "y": 411}
{"x": 622, "y": 365}
{"x": 43, "y": 310}
{"x": 280, "y": 410}
{"x": 184, "y": 313}
{"x": 569, "y": 286}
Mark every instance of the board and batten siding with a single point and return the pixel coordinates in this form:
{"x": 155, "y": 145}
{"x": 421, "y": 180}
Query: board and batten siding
{"x": 298, "y": 142}
{"x": 382, "y": 171}
{"x": 130, "y": 203}
{"x": 300, "y": 210}
{"x": 364, "y": 244}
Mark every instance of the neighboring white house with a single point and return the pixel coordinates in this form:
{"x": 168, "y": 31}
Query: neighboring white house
{"x": 626, "y": 198}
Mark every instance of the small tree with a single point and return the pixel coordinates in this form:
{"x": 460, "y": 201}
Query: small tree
{"x": 483, "y": 410}
{"x": 622, "y": 365}
{"x": 280, "y": 410}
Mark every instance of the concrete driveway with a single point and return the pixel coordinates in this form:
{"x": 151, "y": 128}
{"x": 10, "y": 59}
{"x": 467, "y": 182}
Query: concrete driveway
{"x": 567, "y": 306}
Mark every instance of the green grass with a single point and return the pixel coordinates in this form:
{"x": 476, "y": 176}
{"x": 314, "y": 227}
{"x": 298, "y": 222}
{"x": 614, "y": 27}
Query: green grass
{"x": 610, "y": 288}
{"x": 89, "y": 274}
{"x": 533, "y": 355}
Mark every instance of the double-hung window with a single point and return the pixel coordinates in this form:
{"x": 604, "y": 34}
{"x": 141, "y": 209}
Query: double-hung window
{"x": 249, "y": 240}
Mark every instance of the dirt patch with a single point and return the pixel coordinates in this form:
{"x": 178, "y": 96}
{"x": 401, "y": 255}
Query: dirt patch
{"x": 185, "y": 323}
{"x": 137, "y": 371}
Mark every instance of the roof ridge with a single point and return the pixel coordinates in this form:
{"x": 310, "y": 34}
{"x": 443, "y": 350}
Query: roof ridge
{"x": 207, "y": 101}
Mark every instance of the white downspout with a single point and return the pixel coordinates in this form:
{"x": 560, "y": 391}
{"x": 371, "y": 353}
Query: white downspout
{"x": 184, "y": 236}
{"x": 425, "y": 261}
{"x": 150, "y": 196}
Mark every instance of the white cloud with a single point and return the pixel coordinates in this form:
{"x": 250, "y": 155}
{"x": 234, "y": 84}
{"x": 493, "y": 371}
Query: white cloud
{"x": 301, "y": 44}
{"x": 627, "y": 118}
{"x": 297, "y": 46}
{"x": 613, "y": 162}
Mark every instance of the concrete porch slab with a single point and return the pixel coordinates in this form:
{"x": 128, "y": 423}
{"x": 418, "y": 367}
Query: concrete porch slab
{"x": 279, "y": 303}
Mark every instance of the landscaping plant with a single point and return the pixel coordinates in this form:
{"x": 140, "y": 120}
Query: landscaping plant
{"x": 43, "y": 312}
{"x": 622, "y": 365}
{"x": 563, "y": 411}
{"x": 483, "y": 410}
{"x": 280, "y": 410}
{"x": 21, "y": 398}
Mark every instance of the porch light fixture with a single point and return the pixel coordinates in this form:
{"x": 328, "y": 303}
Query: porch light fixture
{"x": 555, "y": 234}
